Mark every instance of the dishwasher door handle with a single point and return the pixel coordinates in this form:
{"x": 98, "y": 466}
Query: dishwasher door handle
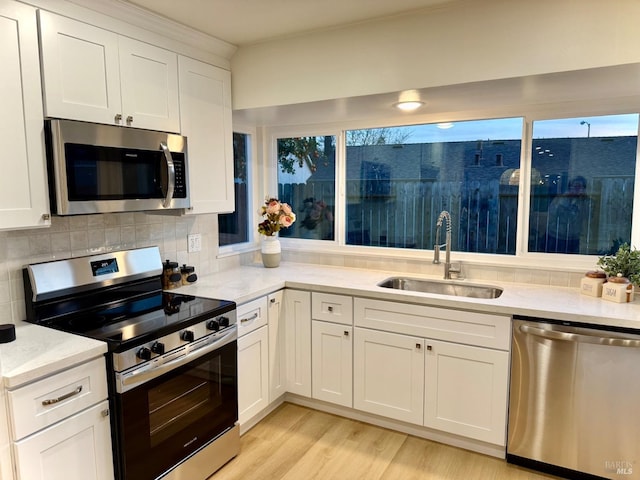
{"x": 579, "y": 337}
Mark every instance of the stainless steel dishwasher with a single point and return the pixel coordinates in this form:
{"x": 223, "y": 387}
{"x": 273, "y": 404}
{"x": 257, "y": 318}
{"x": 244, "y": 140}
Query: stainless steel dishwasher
{"x": 574, "y": 407}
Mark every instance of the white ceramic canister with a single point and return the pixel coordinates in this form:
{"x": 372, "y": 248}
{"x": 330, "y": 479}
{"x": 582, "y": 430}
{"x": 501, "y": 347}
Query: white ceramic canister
{"x": 591, "y": 283}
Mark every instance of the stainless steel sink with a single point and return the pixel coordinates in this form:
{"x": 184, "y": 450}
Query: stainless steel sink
{"x": 458, "y": 289}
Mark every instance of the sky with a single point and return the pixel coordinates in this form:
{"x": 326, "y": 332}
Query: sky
{"x": 511, "y": 128}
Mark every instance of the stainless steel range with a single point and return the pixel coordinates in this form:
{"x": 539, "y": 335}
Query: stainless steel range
{"x": 172, "y": 359}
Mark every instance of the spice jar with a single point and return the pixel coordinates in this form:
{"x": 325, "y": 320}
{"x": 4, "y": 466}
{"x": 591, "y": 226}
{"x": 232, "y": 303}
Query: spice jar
{"x": 187, "y": 274}
{"x": 591, "y": 283}
{"x": 171, "y": 277}
{"x": 618, "y": 289}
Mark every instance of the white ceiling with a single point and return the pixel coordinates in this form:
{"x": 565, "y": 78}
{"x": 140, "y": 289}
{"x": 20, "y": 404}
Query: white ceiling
{"x": 243, "y": 22}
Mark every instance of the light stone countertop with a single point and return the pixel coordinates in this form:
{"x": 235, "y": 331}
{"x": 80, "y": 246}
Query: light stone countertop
{"x": 560, "y": 303}
{"x": 38, "y": 351}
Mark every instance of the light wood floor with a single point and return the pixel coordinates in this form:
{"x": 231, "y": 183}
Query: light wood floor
{"x": 296, "y": 443}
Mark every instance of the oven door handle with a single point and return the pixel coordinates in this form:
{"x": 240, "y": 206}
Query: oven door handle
{"x": 128, "y": 381}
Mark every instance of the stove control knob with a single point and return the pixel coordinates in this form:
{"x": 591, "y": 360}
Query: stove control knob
{"x": 213, "y": 325}
{"x": 224, "y": 321}
{"x": 158, "y": 348}
{"x": 144, "y": 354}
{"x": 187, "y": 336}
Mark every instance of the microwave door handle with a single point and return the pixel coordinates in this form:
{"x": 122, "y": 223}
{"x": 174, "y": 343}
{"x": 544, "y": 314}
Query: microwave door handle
{"x": 171, "y": 175}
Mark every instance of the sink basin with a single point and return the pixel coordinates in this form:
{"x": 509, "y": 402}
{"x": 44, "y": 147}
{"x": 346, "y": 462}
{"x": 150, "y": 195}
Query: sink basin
{"x": 457, "y": 289}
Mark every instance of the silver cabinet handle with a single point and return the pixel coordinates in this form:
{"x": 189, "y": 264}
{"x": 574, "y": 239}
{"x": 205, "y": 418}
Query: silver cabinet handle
{"x": 249, "y": 319}
{"x": 118, "y": 118}
{"x": 171, "y": 175}
{"x": 346, "y": 333}
{"x": 129, "y": 119}
{"x": 105, "y": 412}
{"x": 53, "y": 401}
{"x": 580, "y": 337}
{"x": 330, "y": 309}
{"x": 273, "y": 300}
{"x": 418, "y": 346}
{"x": 429, "y": 347}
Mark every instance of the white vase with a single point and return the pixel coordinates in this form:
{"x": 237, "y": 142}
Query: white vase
{"x": 271, "y": 252}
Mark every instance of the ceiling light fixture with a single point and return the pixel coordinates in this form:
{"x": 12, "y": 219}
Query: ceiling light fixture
{"x": 409, "y": 106}
{"x": 409, "y": 100}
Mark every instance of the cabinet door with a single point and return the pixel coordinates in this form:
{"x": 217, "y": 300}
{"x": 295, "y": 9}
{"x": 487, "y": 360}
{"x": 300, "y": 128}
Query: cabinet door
{"x": 23, "y": 188}
{"x": 298, "y": 341}
{"x": 78, "y": 448}
{"x": 466, "y": 391}
{"x": 277, "y": 341}
{"x": 332, "y": 362}
{"x": 81, "y": 71}
{"x": 388, "y": 374}
{"x": 149, "y": 86}
{"x": 253, "y": 374}
{"x": 205, "y": 117}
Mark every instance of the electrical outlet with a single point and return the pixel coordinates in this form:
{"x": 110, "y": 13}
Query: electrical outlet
{"x": 194, "y": 242}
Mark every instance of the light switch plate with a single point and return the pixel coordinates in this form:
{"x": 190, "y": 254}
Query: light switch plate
{"x": 194, "y": 242}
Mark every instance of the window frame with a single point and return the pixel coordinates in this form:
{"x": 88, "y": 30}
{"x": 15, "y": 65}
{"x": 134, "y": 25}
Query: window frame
{"x": 522, "y": 257}
{"x": 253, "y": 174}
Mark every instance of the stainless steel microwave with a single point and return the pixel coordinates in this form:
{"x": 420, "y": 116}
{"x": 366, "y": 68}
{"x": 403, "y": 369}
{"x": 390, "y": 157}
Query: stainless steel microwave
{"x": 97, "y": 168}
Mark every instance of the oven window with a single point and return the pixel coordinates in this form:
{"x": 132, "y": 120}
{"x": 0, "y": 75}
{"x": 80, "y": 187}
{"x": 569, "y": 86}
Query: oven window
{"x": 185, "y": 399}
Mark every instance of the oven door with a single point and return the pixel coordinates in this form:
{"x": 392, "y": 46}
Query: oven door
{"x": 165, "y": 420}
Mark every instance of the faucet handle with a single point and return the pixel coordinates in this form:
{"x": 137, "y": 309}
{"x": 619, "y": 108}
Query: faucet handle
{"x": 456, "y": 269}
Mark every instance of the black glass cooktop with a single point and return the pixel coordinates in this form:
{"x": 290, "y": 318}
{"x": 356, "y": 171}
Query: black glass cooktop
{"x": 128, "y": 322}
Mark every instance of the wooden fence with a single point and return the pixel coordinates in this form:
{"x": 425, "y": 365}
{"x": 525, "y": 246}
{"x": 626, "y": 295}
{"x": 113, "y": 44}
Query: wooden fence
{"x": 484, "y": 214}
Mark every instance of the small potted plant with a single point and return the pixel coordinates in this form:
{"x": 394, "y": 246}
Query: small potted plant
{"x": 625, "y": 263}
{"x": 276, "y": 215}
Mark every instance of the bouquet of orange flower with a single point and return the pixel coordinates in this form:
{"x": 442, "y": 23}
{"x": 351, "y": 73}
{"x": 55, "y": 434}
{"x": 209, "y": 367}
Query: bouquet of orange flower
{"x": 276, "y": 216}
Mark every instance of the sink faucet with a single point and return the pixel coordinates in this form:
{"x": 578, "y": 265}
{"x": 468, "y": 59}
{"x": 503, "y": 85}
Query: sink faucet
{"x": 449, "y": 268}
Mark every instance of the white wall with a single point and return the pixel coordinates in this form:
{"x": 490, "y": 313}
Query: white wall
{"x": 468, "y": 41}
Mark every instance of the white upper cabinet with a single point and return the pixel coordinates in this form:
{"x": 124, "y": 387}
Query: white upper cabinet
{"x": 23, "y": 184}
{"x": 205, "y": 115}
{"x": 95, "y": 75}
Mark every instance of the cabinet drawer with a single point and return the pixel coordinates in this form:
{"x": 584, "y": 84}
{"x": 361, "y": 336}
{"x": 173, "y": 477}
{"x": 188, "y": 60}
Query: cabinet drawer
{"x": 52, "y": 399}
{"x": 252, "y": 315}
{"x": 332, "y": 308}
{"x": 460, "y": 326}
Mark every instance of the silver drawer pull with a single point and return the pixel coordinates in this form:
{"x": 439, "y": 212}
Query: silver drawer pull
{"x": 330, "y": 308}
{"x": 63, "y": 397}
{"x": 252, "y": 317}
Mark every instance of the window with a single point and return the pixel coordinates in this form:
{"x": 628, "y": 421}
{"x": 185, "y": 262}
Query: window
{"x": 583, "y": 172}
{"x": 399, "y": 179}
{"x": 232, "y": 227}
{"x": 306, "y": 181}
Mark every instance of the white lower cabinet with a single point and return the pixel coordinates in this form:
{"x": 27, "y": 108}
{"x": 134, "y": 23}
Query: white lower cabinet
{"x": 457, "y": 388}
{"x": 466, "y": 390}
{"x": 253, "y": 359}
{"x": 60, "y": 426}
{"x": 332, "y": 362}
{"x": 298, "y": 341}
{"x": 388, "y": 374}
{"x": 277, "y": 339}
{"x": 79, "y": 448}
{"x": 253, "y": 373}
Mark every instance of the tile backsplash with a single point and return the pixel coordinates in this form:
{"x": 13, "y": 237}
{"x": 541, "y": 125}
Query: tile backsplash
{"x": 91, "y": 234}
{"x": 80, "y": 235}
